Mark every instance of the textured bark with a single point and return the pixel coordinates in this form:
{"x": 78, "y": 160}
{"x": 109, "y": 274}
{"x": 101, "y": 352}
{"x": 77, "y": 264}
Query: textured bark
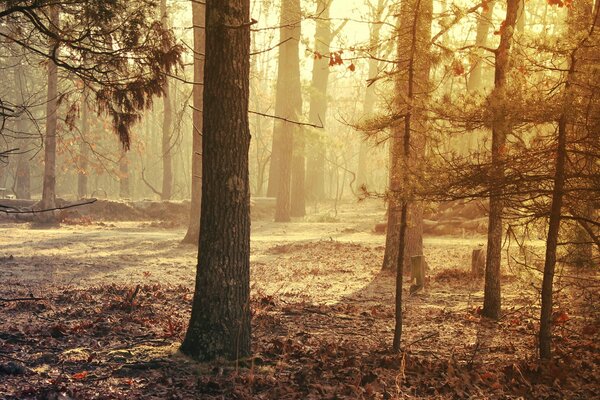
{"x": 484, "y": 23}
{"x": 500, "y": 129}
{"x": 412, "y": 80}
{"x": 315, "y": 162}
{"x": 220, "y": 321}
{"x": 167, "y": 126}
{"x": 198, "y": 18}
{"x": 288, "y": 104}
{"x": 49, "y": 188}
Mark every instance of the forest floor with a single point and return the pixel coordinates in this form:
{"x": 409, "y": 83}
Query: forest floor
{"x": 106, "y": 305}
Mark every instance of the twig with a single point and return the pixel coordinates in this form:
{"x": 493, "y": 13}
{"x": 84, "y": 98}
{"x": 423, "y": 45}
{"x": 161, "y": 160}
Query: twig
{"x": 6, "y": 300}
{"x": 433, "y": 334}
{"x": 12, "y": 210}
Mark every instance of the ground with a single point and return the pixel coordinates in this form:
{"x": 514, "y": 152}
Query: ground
{"x": 105, "y": 304}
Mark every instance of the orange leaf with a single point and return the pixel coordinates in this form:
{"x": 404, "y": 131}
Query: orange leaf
{"x": 80, "y": 375}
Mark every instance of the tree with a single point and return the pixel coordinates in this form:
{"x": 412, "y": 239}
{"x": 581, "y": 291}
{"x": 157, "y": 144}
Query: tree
{"x": 412, "y": 86}
{"x": 288, "y": 105}
{"x": 569, "y": 123}
{"x": 501, "y": 127}
{"x": 49, "y": 188}
{"x": 167, "y": 125}
{"x": 220, "y": 321}
{"x": 370, "y": 94}
{"x": 198, "y": 18}
{"x": 96, "y": 43}
{"x": 413, "y": 35}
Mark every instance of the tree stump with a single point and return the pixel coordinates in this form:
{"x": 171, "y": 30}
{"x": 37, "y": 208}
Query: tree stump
{"x": 478, "y": 263}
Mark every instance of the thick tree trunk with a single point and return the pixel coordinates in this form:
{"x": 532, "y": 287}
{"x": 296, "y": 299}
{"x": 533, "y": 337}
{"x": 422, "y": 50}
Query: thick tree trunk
{"x": 198, "y": 19}
{"x": 500, "y": 129}
{"x": 288, "y": 104}
{"x": 220, "y": 321}
{"x": 297, "y": 190}
{"x": 49, "y": 187}
{"x": 167, "y": 126}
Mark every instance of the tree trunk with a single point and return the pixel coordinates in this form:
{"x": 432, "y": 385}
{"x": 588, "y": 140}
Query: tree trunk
{"x": 414, "y": 33}
{"x": 167, "y": 126}
{"x": 288, "y": 104}
{"x": 474, "y": 82}
{"x": 220, "y": 320}
{"x": 23, "y": 172}
{"x": 49, "y": 188}
{"x": 370, "y": 96}
{"x": 500, "y": 129}
{"x": 298, "y": 199}
{"x": 84, "y": 150}
{"x": 545, "y": 335}
{"x": 124, "y": 190}
{"x": 315, "y": 163}
{"x": 198, "y": 19}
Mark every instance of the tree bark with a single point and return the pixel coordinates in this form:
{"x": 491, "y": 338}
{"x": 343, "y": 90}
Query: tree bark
{"x": 288, "y": 104}
{"x": 500, "y": 129}
{"x": 198, "y": 19}
{"x": 220, "y": 320}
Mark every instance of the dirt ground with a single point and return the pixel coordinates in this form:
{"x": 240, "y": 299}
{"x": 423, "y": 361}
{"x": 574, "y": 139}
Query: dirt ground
{"x": 106, "y": 304}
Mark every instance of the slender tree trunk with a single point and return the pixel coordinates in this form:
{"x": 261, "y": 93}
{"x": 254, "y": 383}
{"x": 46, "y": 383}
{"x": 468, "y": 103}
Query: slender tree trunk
{"x": 167, "y": 126}
{"x": 220, "y": 320}
{"x": 23, "y": 172}
{"x": 49, "y": 188}
{"x": 288, "y": 104}
{"x": 198, "y": 18}
{"x": 545, "y": 335}
{"x": 484, "y": 23}
{"x": 84, "y": 150}
{"x": 500, "y": 129}
{"x": 413, "y": 80}
{"x": 414, "y": 33}
{"x": 370, "y": 95}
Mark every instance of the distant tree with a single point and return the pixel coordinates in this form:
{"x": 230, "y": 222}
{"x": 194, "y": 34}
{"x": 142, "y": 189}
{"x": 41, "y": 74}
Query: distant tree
{"x": 167, "y": 124}
{"x": 220, "y": 321}
{"x": 288, "y": 105}
{"x": 198, "y": 21}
